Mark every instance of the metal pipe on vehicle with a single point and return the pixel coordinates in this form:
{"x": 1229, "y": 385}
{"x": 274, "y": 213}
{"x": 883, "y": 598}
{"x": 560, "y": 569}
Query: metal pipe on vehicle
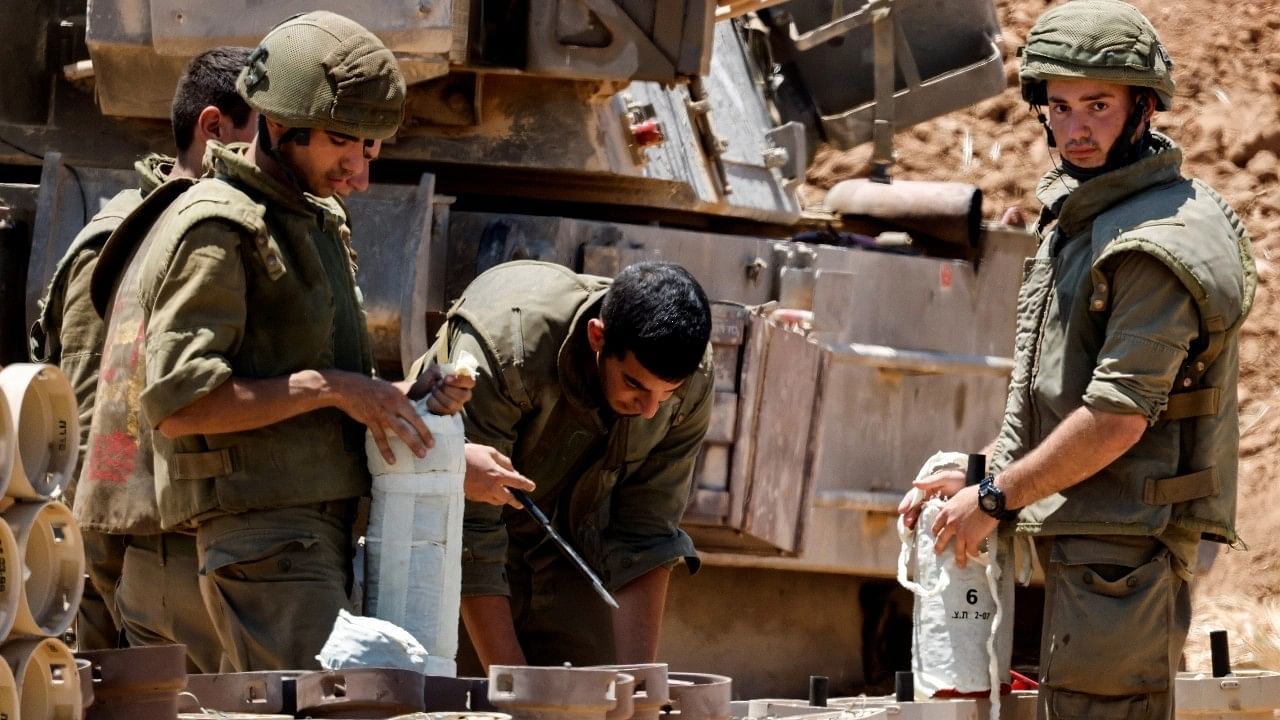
{"x": 950, "y": 212}
{"x": 920, "y": 362}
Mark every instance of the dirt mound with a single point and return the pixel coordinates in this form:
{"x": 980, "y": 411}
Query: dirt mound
{"x": 1226, "y": 116}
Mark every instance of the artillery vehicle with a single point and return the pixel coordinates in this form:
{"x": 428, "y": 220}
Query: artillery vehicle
{"x": 596, "y": 133}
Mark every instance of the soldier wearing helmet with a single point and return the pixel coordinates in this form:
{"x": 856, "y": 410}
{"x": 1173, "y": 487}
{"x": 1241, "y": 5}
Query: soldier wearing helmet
{"x": 1118, "y": 449}
{"x": 258, "y": 366}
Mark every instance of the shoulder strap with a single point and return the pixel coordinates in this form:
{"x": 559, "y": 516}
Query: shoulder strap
{"x": 126, "y": 237}
{"x": 213, "y": 199}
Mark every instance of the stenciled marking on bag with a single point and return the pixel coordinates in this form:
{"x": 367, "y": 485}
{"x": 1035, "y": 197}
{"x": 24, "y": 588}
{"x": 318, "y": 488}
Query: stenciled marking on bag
{"x": 977, "y": 615}
{"x": 971, "y": 597}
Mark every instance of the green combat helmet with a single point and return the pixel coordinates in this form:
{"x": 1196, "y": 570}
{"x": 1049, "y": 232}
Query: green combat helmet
{"x": 321, "y": 70}
{"x": 1105, "y": 40}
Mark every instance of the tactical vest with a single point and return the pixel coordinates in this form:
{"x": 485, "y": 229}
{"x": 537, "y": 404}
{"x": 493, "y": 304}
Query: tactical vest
{"x": 527, "y": 315}
{"x": 304, "y": 314}
{"x": 1183, "y": 469}
{"x": 116, "y": 492}
{"x": 46, "y": 345}
{"x": 44, "y": 339}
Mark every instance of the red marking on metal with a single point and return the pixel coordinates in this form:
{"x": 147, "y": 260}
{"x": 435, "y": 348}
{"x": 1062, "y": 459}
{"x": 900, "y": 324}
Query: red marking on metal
{"x": 648, "y": 133}
{"x": 945, "y": 276}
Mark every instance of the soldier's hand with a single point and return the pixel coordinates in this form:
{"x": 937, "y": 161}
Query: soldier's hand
{"x": 445, "y": 395}
{"x": 962, "y": 521}
{"x": 384, "y": 409}
{"x": 945, "y": 483}
{"x": 489, "y": 474}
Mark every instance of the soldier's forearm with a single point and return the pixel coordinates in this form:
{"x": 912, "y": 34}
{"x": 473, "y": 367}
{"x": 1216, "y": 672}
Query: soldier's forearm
{"x": 1085, "y": 443}
{"x": 638, "y": 620}
{"x": 491, "y": 629}
{"x": 241, "y": 404}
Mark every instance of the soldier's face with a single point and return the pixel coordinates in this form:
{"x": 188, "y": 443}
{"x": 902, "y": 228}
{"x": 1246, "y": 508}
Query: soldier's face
{"x": 360, "y": 181}
{"x": 329, "y": 163}
{"x": 1087, "y": 117}
{"x": 629, "y": 388}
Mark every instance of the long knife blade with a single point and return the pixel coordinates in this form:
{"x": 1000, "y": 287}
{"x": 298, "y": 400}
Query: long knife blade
{"x": 565, "y": 547}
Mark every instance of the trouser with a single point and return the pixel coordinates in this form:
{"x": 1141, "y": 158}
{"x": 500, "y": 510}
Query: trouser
{"x": 274, "y": 580}
{"x": 558, "y": 618}
{"x": 1116, "y": 616}
{"x": 97, "y": 620}
{"x": 159, "y": 599}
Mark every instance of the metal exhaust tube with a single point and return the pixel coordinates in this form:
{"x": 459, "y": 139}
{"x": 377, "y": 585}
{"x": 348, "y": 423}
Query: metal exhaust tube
{"x": 946, "y": 211}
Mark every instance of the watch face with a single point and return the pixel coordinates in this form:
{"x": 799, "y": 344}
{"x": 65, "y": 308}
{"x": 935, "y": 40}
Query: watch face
{"x": 988, "y": 502}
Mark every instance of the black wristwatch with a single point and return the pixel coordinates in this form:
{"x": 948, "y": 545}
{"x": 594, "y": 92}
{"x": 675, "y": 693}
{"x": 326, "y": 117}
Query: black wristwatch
{"x": 991, "y": 500}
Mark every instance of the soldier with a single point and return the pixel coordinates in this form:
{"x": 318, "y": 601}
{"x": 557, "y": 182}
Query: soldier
{"x": 155, "y": 583}
{"x": 1119, "y": 442}
{"x": 601, "y": 393}
{"x": 258, "y": 363}
{"x": 69, "y": 332}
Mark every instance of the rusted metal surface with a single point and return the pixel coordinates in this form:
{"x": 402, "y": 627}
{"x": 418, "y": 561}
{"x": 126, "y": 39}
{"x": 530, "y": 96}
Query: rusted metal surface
{"x": 137, "y": 683}
{"x": 950, "y": 212}
{"x": 360, "y": 693}
{"x": 552, "y": 693}
{"x": 84, "y": 668}
{"x": 249, "y": 692}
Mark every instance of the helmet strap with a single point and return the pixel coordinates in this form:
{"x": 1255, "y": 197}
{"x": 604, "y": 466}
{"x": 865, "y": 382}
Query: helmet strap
{"x": 301, "y": 136}
{"x": 1048, "y": 131}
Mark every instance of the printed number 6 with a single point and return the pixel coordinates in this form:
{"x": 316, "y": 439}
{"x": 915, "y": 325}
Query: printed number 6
{"x": 972, "y": 596}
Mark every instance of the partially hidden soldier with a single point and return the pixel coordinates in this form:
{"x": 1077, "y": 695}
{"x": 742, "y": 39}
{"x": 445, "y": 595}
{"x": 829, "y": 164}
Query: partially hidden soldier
{"x": 1118, "y": 449}
{"x": 70, "y": 332}
{"x": 600, "y": 392}
{"x": 259, "y": 382}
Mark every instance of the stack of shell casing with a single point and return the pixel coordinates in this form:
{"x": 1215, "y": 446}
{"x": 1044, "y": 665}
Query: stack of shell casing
{"x": 41, "y": 553}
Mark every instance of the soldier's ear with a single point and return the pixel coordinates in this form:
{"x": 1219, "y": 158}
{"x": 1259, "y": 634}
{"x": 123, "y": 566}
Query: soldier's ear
{"x": 210, "y": 125}
{"x": 595, "y": 334}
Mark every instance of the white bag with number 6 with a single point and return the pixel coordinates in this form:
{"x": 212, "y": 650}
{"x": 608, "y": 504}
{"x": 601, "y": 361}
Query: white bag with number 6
{"x": 956, "y": 610}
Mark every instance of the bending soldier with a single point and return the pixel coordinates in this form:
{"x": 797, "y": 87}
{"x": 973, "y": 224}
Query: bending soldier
{"x": 601, "y": 393}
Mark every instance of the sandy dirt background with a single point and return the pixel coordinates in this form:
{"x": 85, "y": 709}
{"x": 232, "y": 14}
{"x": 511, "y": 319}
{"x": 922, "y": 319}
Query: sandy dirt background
{"x": 1226, "y": 116}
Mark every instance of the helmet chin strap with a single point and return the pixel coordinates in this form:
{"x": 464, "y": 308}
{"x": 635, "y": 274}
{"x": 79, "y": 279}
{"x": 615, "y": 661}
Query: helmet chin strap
{"x": 299, "y": 136}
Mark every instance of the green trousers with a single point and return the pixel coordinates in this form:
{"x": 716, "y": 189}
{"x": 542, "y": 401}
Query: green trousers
{"x": 274, "y": 581}
{"x": 159, "y": 599}
{"x": 97, "y": 620}
{"x": 1116, "y": 616}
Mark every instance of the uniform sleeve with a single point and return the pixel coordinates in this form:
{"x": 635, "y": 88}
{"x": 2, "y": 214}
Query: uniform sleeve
{"x": 490, "y": 418}
{"x": 647, "y": 506}
{"x": 197, "y": 320}
{"x": 1152, "y": 324}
